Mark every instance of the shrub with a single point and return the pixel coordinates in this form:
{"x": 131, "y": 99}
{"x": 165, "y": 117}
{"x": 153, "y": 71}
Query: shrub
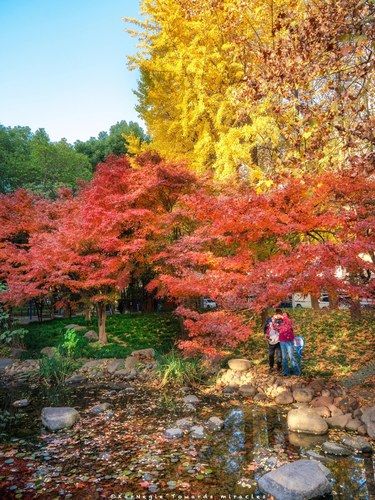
{"x": 73, "y": 344}
{"x": 13, "y": 338}
{"x": 173, "y": 369}
{"x": 55, "y": 370}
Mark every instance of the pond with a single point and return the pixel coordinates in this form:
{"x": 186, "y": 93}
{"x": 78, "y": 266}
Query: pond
{"x": 123, "y": 451}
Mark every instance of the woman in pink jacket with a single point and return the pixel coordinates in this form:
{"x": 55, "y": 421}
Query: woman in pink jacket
{"x": 284, "y": 325}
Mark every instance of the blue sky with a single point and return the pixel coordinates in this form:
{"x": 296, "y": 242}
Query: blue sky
{"x": 63, "y": 65}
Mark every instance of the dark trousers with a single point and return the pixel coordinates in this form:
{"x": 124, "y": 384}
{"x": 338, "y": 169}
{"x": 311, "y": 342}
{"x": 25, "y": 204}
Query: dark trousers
{"x": 272, "y": 350}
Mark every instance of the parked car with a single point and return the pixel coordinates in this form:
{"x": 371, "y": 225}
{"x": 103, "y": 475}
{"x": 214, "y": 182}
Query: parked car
{"x": 208, "y": 303}
{"x": 304, "y": 301}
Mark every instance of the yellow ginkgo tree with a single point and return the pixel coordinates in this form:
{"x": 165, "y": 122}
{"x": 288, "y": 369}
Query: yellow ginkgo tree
{"x": 254, "y": 88}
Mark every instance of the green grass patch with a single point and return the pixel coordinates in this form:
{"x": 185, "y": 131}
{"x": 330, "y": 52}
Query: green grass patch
{"x": 126, "y": 333}
{"x": 175, "y": 370}
{"x": 334, "y": 344}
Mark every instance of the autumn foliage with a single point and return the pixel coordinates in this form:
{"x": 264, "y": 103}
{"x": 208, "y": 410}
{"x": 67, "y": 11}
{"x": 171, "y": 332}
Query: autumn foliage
{"x": 258, "y": 182}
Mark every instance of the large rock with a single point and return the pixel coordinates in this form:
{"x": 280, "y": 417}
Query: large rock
{"x": 298, "y": 480}
{"x": 303, "y": 395}
{"x": 322, "y": 401}
{"x": 335, "y": 411}
{"x": 357, "y": 444}
{"x": 130, "y": 363}
{"x": 368, "y": 418}
{"x": 338, "y": 422}
{"x": 76, "y": 328}
{"x": 184, "y": 423}
{"x": 55, "y": 418}
{"x": 346, "y": 404}
{"x": 114, "y": 365}
{"x": 284, "y": 398}
{"x": 313, "y": 455}
{"x": 353, "y": 424}
{"x": 100, "y": 408}
{"x": 91, "y": 336}
{"x": 191, "y": 399}
{"x": 174, "y": 433}
{"x": 144, "y": 354}
{"x": 306, "y": 421}
{"x": 197, "y": 432}
{"x": 50, "y": 352}
{"x": 322, "y": 411}
{"x": 239, "y": 365}
{"x": 5, "y": 362}
{"x": 215, "y": 423}
{"x": 335, "y": 449}
{"x": 247, "y": 390}
{"x": 21, "y": 403}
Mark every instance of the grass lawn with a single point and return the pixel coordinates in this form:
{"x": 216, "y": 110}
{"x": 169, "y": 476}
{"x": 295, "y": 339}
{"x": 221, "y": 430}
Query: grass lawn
{"x": 334, "y": 345}
{"x": 125, "y": 334}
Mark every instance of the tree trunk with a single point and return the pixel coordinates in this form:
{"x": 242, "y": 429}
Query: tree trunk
{"x": 101, "y": 322}
{"x": 355, "y": 310}
{"x": 263, "y": 316}
{"x": 88, "y": 313}
{"x": 315, "y": 301}
{"x": 10, "y": 319}
{"x": 39, "y": 310}
{"x": 333, "y": 299}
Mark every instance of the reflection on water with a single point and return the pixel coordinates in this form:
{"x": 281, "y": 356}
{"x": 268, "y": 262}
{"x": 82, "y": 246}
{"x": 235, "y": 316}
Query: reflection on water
{"x": 251, "y": 435}
{"x": 235, "y": 421}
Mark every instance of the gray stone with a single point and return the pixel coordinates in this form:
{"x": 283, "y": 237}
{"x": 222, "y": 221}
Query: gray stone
{"x": 189, "y": 408}
{"x": 215, "y": 423}
{"x": 247, "y": 390}
{"x": 229, "y": 390}
{"x": 144, "y": 354}
{"x": 346, "y": 404}
{"x": 191, "y": 399}
{"x": 322, "y": 401}
{"x": 260, "y": 397}
{"x": 130, "y": 363}
{"x": 362, "y": 430}
{"x": 197, "y": 432}
{"x": 71, "y": 326}
{"x": 100, "y": 408}
{"x": 303, "y": 395}
{"x": 50, "y": 352}
{"x": 239, "y": 365}
{"x": 79, "y": 328}
{"x": 353, "y": 424}
{"x": 322, "y": 411}
{"x": 284, "y": 398}
{"x": 368, "y": 418}
{"x": 21, "y": 403}
{"x": 303, "y": 479}
{"x": 335, "y": 449}
{"x": 313, "y": 455}
{"x": 75, "y": 379}
{"x": 173, "y": 433}
{"x": 55, "y": 418}
{"x": 338, "y": 422}
{"x": 335, "y": 411}
{"x": 316, "y": 385}
{"x": 91, "y": 336}
{"x": 184, "y": 423}
{"x": 114, "y": 365}
{"x": 306, "y": 421}
{"x": 357, "y": 444}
